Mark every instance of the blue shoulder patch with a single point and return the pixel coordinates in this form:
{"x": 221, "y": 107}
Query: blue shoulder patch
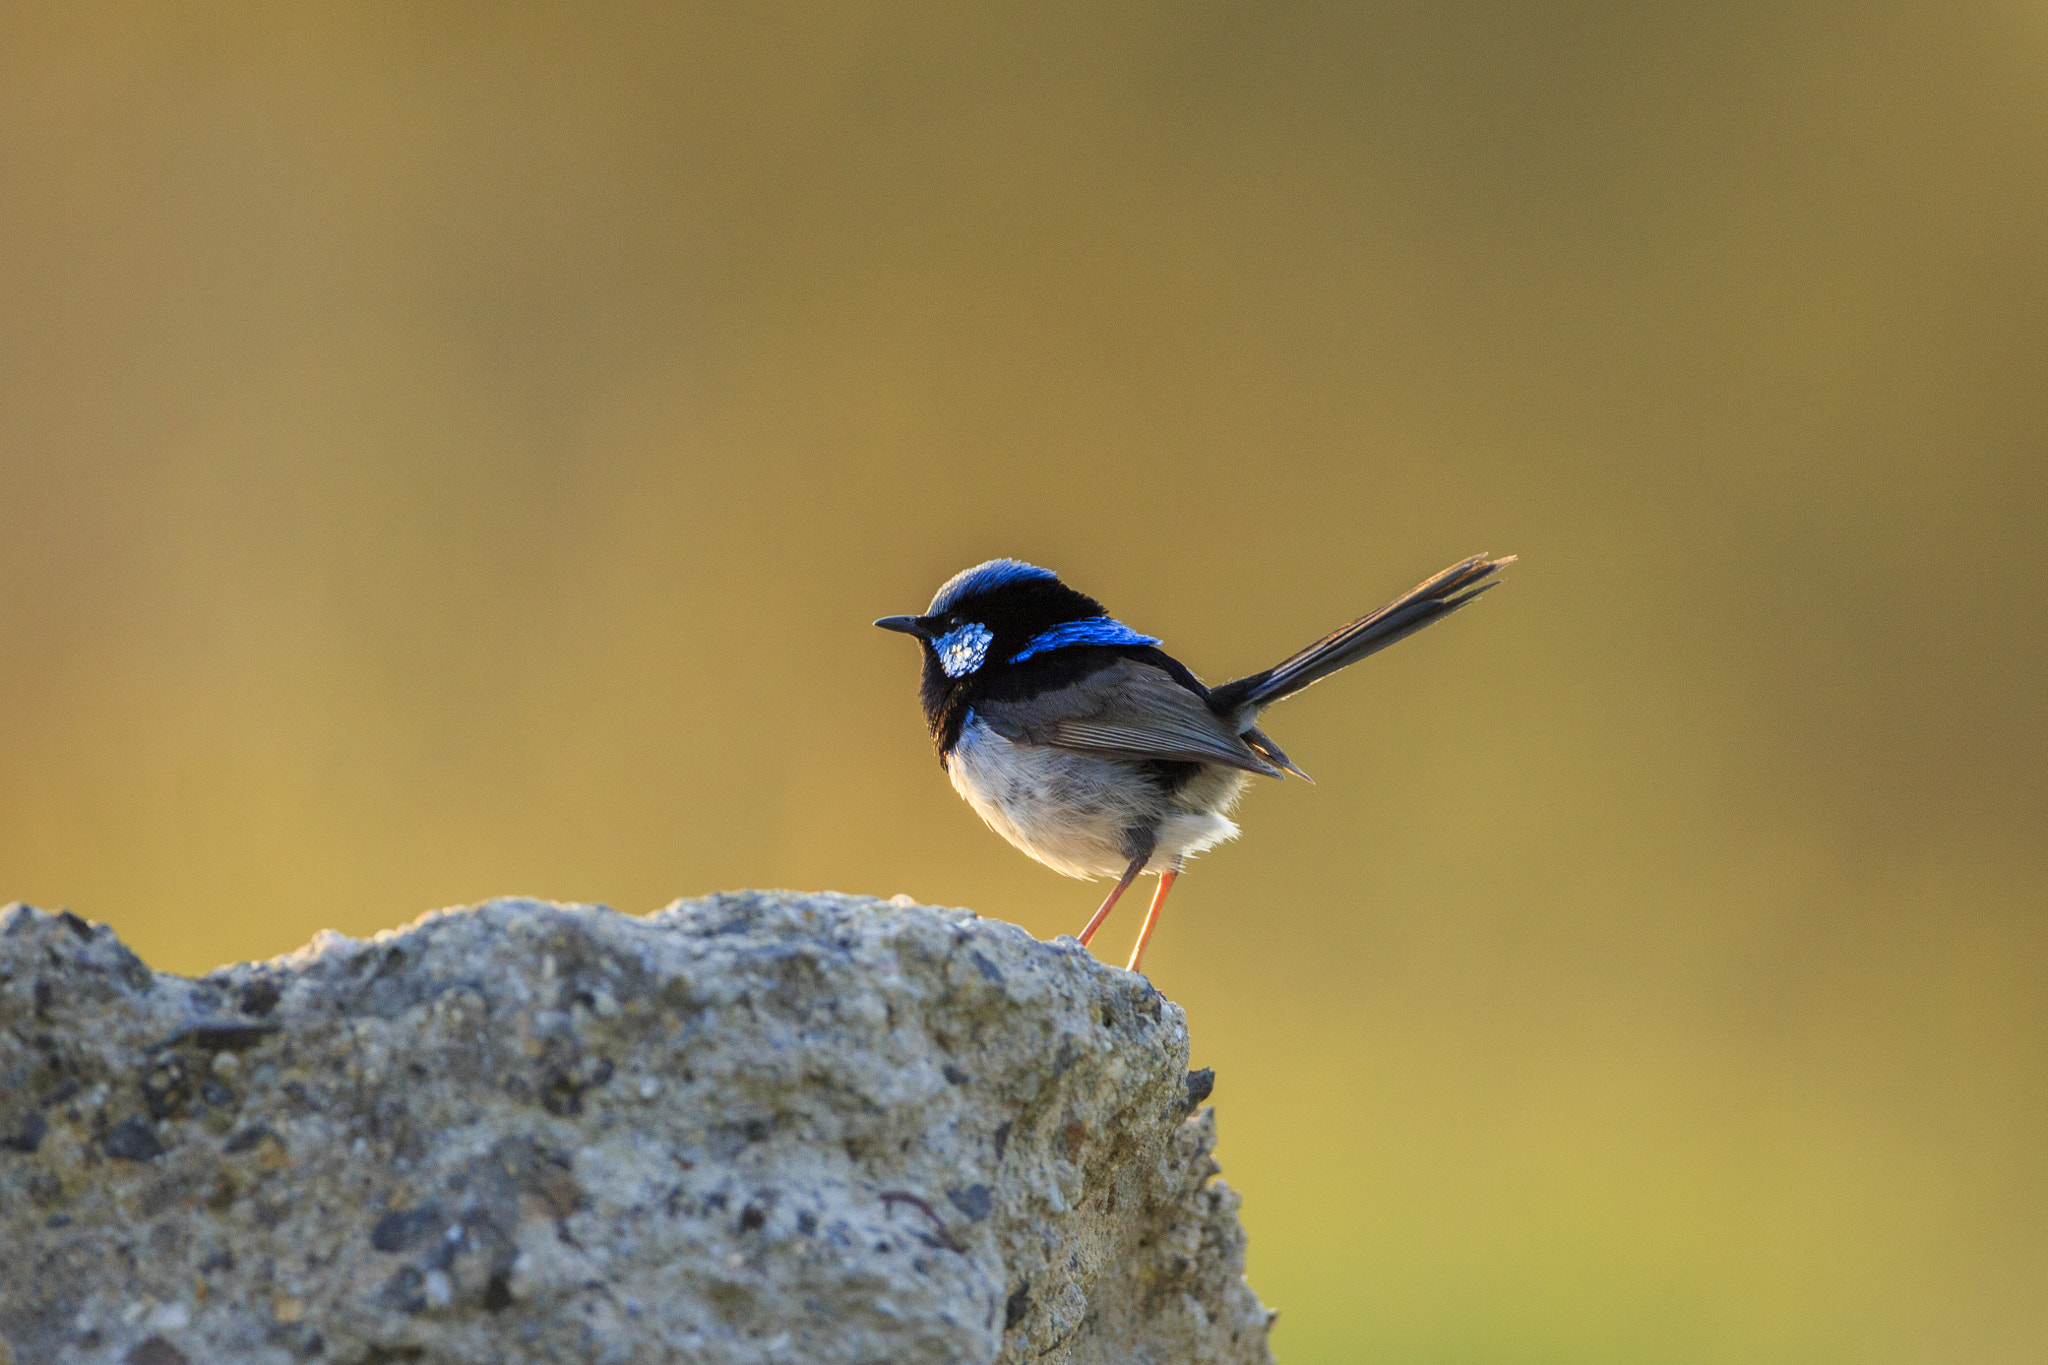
{"x": 1096, "y": 630}
{"x": 983, "y": 578}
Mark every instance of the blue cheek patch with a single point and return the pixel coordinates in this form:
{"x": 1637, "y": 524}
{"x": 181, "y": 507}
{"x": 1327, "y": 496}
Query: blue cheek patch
{"x": 961, "y": 652}
{"x": 1096, "y": 630}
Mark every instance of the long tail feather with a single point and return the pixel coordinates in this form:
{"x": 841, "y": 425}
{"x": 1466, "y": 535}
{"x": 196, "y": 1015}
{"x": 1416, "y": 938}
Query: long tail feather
{"x": 1400, "y": 618}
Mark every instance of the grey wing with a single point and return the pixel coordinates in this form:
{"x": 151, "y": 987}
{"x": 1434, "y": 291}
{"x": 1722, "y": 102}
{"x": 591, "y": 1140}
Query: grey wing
{"x": 1130, "y": 710}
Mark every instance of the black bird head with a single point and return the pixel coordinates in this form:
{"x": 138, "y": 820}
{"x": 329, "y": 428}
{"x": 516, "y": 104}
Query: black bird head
{"x": 994, "y": 616}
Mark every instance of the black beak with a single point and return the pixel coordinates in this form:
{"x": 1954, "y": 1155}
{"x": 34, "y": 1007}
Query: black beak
{"x": 908, "y": 625}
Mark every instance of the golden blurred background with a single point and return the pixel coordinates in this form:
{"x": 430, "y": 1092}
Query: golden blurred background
{"x": 459, "y": 451}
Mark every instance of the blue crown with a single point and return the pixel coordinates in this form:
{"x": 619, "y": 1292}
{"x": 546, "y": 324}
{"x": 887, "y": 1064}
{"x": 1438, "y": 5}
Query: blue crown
{"x": 984, "y": 578}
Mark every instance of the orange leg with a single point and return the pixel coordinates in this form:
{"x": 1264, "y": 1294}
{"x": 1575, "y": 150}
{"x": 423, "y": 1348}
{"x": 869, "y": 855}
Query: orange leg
{"x": 1109, "y": 903}
{"x": 1152, "y": 915}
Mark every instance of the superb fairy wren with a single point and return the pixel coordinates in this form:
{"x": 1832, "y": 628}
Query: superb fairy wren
{"x": 1095, "y": 751}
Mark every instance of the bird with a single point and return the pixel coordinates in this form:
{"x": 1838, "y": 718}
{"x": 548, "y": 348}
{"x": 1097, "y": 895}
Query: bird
{"x": 1082, "y": 742}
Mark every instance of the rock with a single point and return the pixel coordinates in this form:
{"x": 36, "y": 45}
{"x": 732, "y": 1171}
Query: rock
{"x": 759, "y": 1127}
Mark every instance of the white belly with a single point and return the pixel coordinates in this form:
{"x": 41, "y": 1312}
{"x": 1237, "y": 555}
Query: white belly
{"x": 1074, "y": 811}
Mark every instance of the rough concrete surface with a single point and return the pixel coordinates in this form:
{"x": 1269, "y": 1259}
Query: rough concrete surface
{"x": 760, "y": 1127}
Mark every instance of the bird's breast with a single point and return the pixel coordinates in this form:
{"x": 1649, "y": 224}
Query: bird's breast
{"x": 1084, "y": 814}
{"x": 1073, "y": 812}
